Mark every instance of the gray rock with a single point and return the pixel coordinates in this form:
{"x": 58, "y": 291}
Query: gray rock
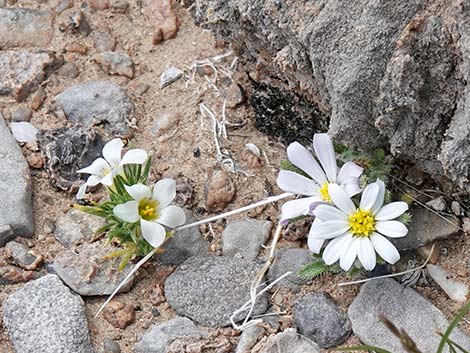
{"x": 456, "y": 290}
{"x": 103, "y": 42}
{"x": 6, "y": 234}
{"x": 76, "y": 226}
{"x": 184, "y": 244}
{"x": 426, "y": 227}
{"x": 110, "y": 346}
{"x": 22, "y": 114}
{"x": 15, "y": 186}
{"x": 245, "y": 237}
{"x": 248, "y": 338}
{"x": 403, "y": 307}
{"x": 24, "y": 28}
{"x": 44, "y": 316}
{"x": 437, "y": 204}
{"x": 21, "y": 71}
{"x": 288, "y": 342}
{"x": 289, "y": 260}
{"x": 158, "y": 338}
{"x": 97, "y": 102}
{"x": 87, "y": 271}
{"x": 69, "y": 70}
{"x": 21, "y": 254}
{"x": 319, "y": 318}
{"x": 197, "y": 287}
{"x": 116, "y": 63}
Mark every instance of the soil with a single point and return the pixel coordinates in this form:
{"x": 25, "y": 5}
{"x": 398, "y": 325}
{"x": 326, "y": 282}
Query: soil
{"x": 175, "y": 152}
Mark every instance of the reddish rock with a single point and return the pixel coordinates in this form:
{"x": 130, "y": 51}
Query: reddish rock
{"x": 99, "y": 4}
{"x": 219, "y": 190}
{"x": 118, "y": 314}
{"x": 116, "y": 63}
{"x": 35, "y": 160}
{"x": 166, "y": 22}
{"x": 38, "y": 98}
{"x": 76, "y": 48}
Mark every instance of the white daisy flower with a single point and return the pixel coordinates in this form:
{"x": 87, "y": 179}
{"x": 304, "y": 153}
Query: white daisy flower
{"x": 358, "y": 232}
{"x": 152, "y": 208}
{"x": 103, "y": 170}
{"x": 316, "y": 187}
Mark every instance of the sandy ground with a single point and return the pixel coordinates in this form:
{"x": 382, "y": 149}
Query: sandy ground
{"x": 173, "y": 153}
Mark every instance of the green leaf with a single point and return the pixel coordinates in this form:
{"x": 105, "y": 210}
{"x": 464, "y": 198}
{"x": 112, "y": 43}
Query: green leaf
{"x": 446, "y": 337}
{"x": 286, "y": 165}
{"x": 361, "y": 348}
{"x": 313, "y": 270}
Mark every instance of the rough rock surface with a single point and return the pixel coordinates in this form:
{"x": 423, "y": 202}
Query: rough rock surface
{"x": 158, "y": 338}
{"x": 116, "y": 63}
{"x": 44, "y": 316}
{"x": 403, "y": 307}
{"x": 287, "y": 342}
{"x": 289, "y": 260}
{"x": 98, "y": 102}
{"x": 15, "y": 185}
{"x": 245, "y": 237}
{"x": 196, "y": 287}
{"x": 389, "y": 73}
{"x": 87, "y": 271}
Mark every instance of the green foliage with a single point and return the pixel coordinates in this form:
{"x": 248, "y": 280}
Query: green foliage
{"x": 318, "y": 268}
{"x": 361, "y": 349}
{"x": 287, "y": 165}
{"x": 406, "y": 218}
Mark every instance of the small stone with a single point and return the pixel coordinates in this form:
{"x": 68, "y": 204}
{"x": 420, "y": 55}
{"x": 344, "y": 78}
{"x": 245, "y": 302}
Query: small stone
{"x": 289, "y": 260}
{"x": 219, "y": 190}
{"x": 35, "y": 160}
{"x": 104, "y": 42}
{"x": 245, "y": 237}
{"x": 425, "y": 252}
{"x": 319, "y": 318}
{"x": 164, "y": 122}
{"x": 416, "y": 176}
{"x": 110, "y": 346}
{"x": 288, "y": 341}
{"x": 158, "y": 338}
{"x": 233, "y": 95}
{"x": 22, "y": 114}
{"x": 95, "y": 103}
{"x": 184, "y": 191}
{"x": 455, "y": 207}
{"x": 116, "y": 63}
{"x": 12, "y": 274}
{"x": 74, "y": 21}
{"x": 170, "y": 75}
{"x": 118, "y": 314}
{"x": 22, "y": 256}
{"x": 60, "y": 6}
{"x": 466, "y": 225}
{"x": 88, "y": 272}
{"x": 406, "y": 309}
{"x": 69, "y": 70}
{"x": 99, "y": 4}
{"x": 195, "y": 288}
{"x": 456, "y": 290}
{"x": 252, "y": 160}
{"x": 44, "y": 316}
{"x": 437, "y": 204}
{"x": 24, "y": 28}
{"x": 38, "y": 98}
{"x": 6, "y": 234}
{"x": 139, "y": 88}
{"x": 76, "y": 48}
{"x": 248, "y": 338}
{"x": 166, "y": 22}
{"x": 119, "y": 6}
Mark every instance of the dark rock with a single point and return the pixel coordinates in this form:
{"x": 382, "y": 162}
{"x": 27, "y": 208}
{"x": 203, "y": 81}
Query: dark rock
{"x": 289, "y": 260}
{"x": 22, "y": 114}
{"x": 6, "y": 234}
{"x": 22, "y": 256}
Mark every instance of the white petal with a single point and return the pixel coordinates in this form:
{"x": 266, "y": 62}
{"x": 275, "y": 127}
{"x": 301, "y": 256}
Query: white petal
{"x": 295, "y": 208}
{"x": 296, "y": 183}
{"x": 139, "y": 191}
{"x": 81, "y": 191}
{"x": 112, "y": 151}
{"x": 336, "y": 247}
{"x": 391, "y": 211}
{"x": 99, "y": 167}
{"x": 300, "y": 157}
{"x": 369, "y": 196}
{"x": 93, "y": 180}
{"x": 352, "y": 186}
{"x": 380, "y": 197}
{"x": 349, "y": 255}
{"x": 366, "y": 254}
{"x": 349, "y": 170}
{"x": 392, "y": 229}
{"x": 315, "y": 245}
{"x": 341, "y": 199}
{"x": 326, "y": 154}
{"x": 164, "y": 191}
{"x": 128, "y": 212}
{"x": 135, "y": 156}
{"x": 385, "y": 248}
{"x": 328, "y": 230}
{"x": 153, "y": 232}
{"x": 23, "y": 131}
{"x": 108, "y": 179}
{"x": 172, "y": 216}
{"x": 329, "y": 213}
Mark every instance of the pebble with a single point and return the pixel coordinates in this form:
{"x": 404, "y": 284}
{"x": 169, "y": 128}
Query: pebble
{"x": 6, "y": 234}
{"x": 233, "y": 95}
{"x": 425, "y": 252}
{"x": 252, "y": 160}
{"x": 110, "y": 346}
{"x": 248, "y": 338}
{"x": 118, "y": 314}
{"x": 74, "y": 21}
{"x": 103, "y": 42}
{"x": 158, "y": 338}
{"x": 119, "y": 6}
{"x": 416, "y": 176}
{"x": 87, "y": 271}
{"x": 60, "y": 6}
{"x": 38, "y": 98}
{"x": 139, "y": 88}
{"x": 24, "y": 28}
{"x": 99, "y": 4}
{"x": 219, "y": 190}
{"x": 183, "y": 245}
{"x": 184, "y": 191}
{"x": 319, "y": 318}
{"x": 164, "y": 122}
{"x": 166, "y": 22}
{"x": 116, "y": 63}
{"x": 437, "y": 204}
{"x": 23, "y": 114}
{"x": 35, "y": 160}
{"x": 245, "y": 237}
{"x": 288, "y": 341}
{"x": 170, "y": 75}
{"x": 22, "y": 256}
{"x": 75, "y": 47}
{"x": 456, "y": 208}
{"x": 455, "y": 289}
{"x": 97, "y": 102}
{"x": 466, "y": 225}
{"x": 289, "y": 260}
{"x": 196, "y": 287}
{"x": 45, "y": 316}
{"x": 14, "y": 174}
{"x": 76, "y": 226}
{"x": 69, "y": 70}
{"x": 406, "y": 309}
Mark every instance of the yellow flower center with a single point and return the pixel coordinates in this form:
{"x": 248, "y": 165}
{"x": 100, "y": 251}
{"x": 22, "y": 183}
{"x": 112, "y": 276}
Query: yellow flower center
{"x": 148, "y": 209}
{"x": 324, "y": 192}
{"x": 361, "y": 223}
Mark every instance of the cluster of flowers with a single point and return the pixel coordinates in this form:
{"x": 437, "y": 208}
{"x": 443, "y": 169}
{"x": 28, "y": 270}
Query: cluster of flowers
{"x": 354, "y": 222}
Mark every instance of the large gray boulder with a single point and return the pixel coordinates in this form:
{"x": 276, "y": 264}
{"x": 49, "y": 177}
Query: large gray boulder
{"x": 383, "y": 73}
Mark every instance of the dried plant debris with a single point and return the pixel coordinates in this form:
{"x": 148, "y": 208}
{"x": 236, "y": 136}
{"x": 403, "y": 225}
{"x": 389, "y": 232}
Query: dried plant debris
{"x": 169, "y": 76}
